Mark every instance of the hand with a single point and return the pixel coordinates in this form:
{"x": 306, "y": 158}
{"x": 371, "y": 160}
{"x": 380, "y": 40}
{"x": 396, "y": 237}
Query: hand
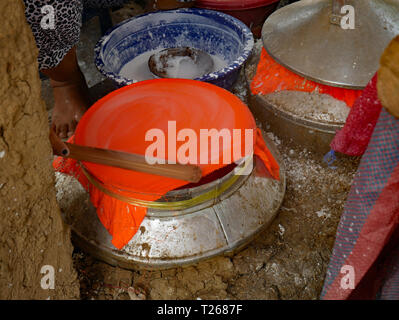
{"x": 388, "y": 78}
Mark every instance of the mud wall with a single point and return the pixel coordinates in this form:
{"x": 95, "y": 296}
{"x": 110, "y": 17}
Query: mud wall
{"x": 32, "y": 234}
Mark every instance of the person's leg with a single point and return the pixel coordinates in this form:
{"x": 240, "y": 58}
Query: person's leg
{"x": 71, "y": 95}
{"x": 57, "y": 59}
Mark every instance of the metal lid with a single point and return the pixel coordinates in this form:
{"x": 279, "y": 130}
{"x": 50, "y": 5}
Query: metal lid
{"x": 306, "y": 37}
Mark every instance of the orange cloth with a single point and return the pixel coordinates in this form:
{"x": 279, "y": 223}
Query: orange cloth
{"x": 264, "y": 154}
{"x": 121, "y": 219}
{"x": 272, "y": 77}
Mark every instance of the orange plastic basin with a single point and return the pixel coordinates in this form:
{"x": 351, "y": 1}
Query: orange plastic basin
{"x": 121, "y": 120}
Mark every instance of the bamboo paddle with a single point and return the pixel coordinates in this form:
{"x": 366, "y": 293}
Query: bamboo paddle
{"x": 123, "y": 160}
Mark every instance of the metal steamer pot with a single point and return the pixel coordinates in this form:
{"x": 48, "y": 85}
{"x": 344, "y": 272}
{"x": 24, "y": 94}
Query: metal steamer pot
{"x": 216, "y": 218}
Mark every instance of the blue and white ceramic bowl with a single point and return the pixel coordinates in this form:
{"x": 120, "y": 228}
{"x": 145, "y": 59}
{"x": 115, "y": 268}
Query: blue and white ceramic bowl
{"x": 211, "y": 31}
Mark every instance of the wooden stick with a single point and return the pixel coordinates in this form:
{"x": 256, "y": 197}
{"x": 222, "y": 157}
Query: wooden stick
{"x": 135, "y": 162}
{"x": 123, "y": 160}
{"x": 59, "y": 147}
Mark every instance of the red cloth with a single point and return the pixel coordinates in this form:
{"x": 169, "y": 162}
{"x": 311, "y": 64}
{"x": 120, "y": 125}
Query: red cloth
{"x": 368, "y": 233}
{"x": 354, "y": 138}
{"x": 378, "y": 232}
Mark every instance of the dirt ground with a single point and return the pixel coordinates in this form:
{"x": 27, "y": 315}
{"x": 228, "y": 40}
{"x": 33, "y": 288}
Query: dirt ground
{"x": 288, "y": 261}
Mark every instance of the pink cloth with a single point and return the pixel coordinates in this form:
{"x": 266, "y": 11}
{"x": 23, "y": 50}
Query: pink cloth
{"x": 354, "y": 138}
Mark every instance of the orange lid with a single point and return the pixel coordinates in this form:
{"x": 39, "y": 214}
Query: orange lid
{"x": 121, "y": 120}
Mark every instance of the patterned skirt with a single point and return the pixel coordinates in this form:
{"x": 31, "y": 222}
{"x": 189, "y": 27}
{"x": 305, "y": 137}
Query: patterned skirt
{"x": 365, "y": 259}
{"x": 55, "y": 42}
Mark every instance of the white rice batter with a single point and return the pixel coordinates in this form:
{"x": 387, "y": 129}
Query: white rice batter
{"x": 137, "y": 68}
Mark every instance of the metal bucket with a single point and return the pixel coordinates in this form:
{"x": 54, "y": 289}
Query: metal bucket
{"x": 170, "y": 4}
{"x": 175, "y": 238}
{"x": 252, "y": 12}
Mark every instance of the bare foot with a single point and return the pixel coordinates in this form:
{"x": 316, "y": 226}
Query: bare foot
{"x": 71, "y": 102}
